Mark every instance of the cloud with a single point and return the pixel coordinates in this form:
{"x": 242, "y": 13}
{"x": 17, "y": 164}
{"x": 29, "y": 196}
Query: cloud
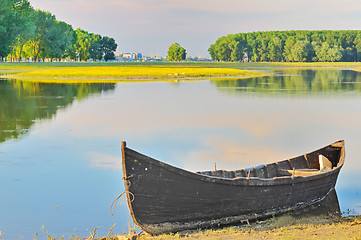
{"x": 231, "y": 155}
{"x": 105, "y": 161}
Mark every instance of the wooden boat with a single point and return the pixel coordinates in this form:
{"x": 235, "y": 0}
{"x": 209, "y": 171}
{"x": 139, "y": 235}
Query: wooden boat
{"x": 162, "y": 198}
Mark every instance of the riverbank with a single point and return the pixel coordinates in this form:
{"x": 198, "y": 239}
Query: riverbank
{"x": 283, "y": 228}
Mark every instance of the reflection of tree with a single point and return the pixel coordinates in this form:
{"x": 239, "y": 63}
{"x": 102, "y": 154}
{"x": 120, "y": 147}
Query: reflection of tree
{"x": 297, "y": 82}
{"x": 22, "y": 103}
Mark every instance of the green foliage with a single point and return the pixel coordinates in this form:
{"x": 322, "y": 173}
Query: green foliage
{"x": 95, "y": 50}
{"x": 83, "y": 44}
{"x": 36, "y": 46}
{"x": 108, "y": 46}
{"x": 176, "y": 52}
{"x": 59, "y": 39}
{"x": 326, "y": 53}
{"x": 89, "y": 45}
{"x": 226, "y": 49}
{"x": 15, "y": 24}
{"x": 289, "y": 46}
{"x": 36, "y": 34}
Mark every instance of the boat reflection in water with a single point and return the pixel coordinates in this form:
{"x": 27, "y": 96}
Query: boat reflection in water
{"x": 329, "y": 206}
{"x": 324, "y": 211}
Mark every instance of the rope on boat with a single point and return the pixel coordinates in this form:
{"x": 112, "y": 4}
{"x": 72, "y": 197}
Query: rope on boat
{"x": 114, "y": 203}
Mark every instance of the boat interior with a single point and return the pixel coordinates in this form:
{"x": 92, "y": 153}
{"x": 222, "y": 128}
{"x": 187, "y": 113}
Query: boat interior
{"x": 309, "y": 164}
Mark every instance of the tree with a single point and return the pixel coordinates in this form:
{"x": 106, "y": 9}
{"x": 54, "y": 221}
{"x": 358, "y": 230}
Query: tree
{"x": 27, "y": 32}
{"x": 212, "y": 52}
{"x": 275, "y": 50}
{"x": 327, "y": 53}
{"x": 96, "y": 51}
{"x": 5, "y": 39}
{"x": 15, "y": 20}
{"x": 234, "y": 46}
{"x": 263, "y": 50}
{"x": 58, "y": 40}
{"x": 357, "y": 44}
{"x": 176, "y": 52}
{"x": 287, "y": 54}
{"x": 83, "y": 44}
{"x": 109, "y": 46}
{"x": 44, "y": 21}
{"x": 300, "y": 51}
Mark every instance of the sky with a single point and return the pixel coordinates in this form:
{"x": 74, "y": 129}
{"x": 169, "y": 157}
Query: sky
{"x": 150, "y": 26}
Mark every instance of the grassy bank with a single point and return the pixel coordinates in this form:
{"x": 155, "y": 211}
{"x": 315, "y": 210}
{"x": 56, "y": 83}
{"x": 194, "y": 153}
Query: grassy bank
{"x": 121, "y": 71}
{"x": 344, "y": 228}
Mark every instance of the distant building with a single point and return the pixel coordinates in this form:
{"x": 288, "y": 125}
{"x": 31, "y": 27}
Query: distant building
{"x": 129, "y": 57}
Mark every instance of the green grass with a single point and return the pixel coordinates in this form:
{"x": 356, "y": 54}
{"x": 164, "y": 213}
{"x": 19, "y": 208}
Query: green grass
{"x": 70, "y": 72}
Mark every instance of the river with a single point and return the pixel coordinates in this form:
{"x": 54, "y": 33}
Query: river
{"x": 60, "y": 162}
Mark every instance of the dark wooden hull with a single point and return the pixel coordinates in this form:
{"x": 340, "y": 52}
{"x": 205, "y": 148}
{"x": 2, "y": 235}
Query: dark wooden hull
{"x": 163, "y": 198}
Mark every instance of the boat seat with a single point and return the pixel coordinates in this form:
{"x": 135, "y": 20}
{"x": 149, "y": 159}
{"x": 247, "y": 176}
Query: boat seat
{"x": 324, "y": 162}
{"x": 298, "y": 172}
{"x": 302, "y": 172}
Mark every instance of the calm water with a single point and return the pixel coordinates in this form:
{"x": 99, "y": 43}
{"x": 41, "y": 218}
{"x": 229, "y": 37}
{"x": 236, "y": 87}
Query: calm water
{"x": 59, "y": 144}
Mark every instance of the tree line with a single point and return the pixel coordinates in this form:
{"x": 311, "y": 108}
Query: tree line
{"x": 289, "y": 46}
{"x": 27, "y": 33}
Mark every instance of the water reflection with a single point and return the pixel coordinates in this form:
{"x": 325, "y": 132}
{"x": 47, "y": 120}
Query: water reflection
{"x": 328, "y": 206}
{"x": 23, "y": 103}
{"x": 297, "y": 82}
{"x": 325, "y": 211}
